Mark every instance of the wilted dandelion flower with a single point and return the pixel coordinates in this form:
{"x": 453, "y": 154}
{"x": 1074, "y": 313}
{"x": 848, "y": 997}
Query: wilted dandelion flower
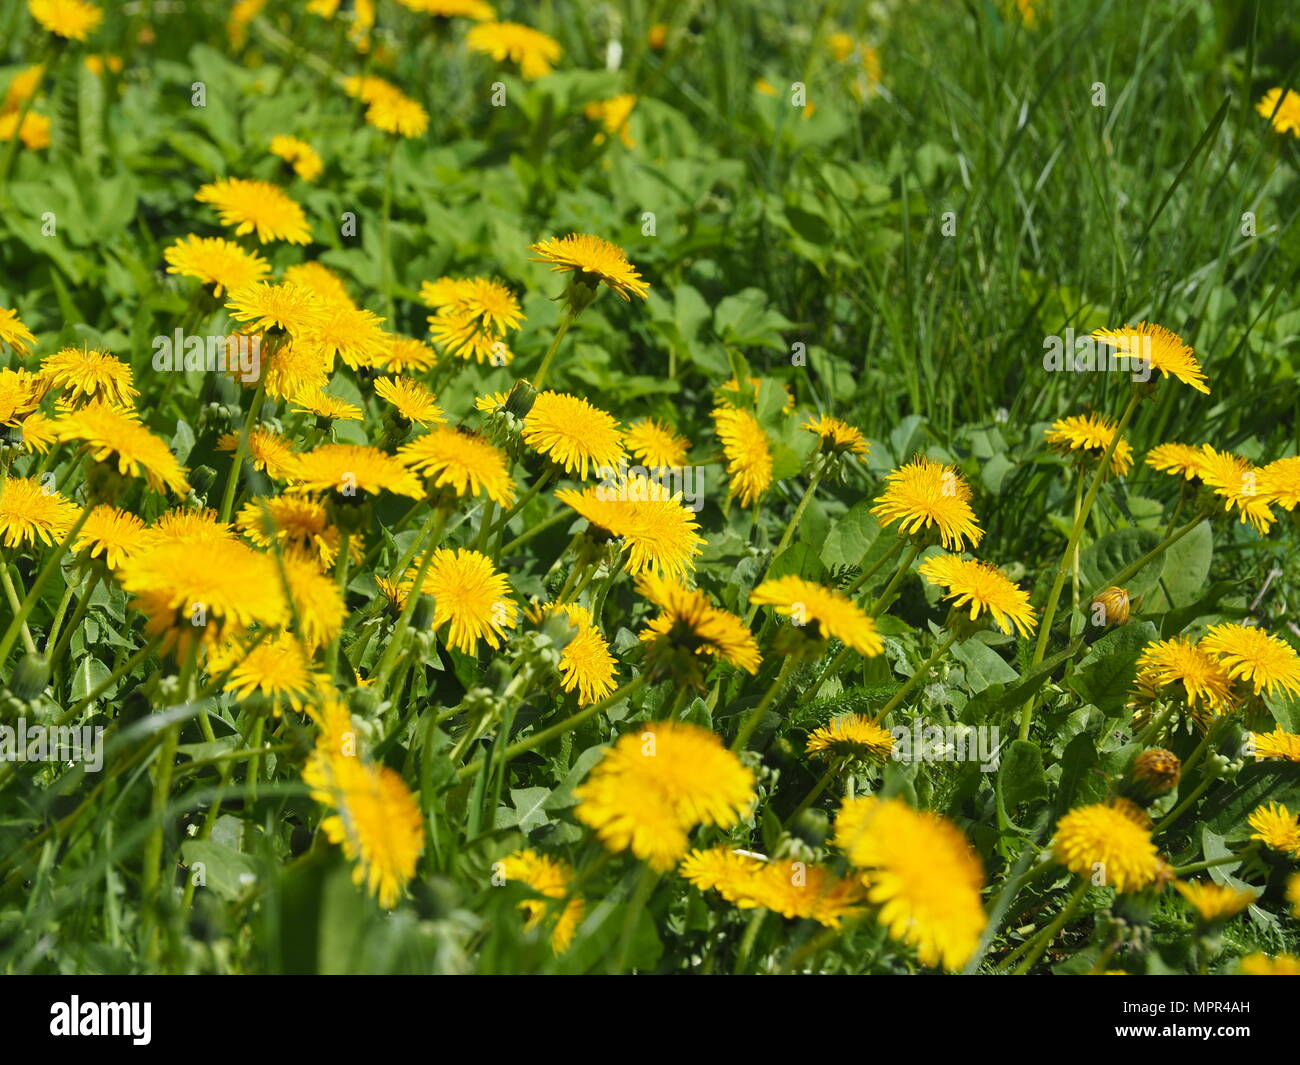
{"x": 837, "y": 437}
{"x": 80, "y": 372}
{"x": 1276, "y": 744}
{"x": 573, "y": 434}
{"x": 551, "y": 878}
{"x": 471, "y": 597}
{"x": 748, "y": 452}
{"x": 210, "y": 594}
{"x": 376, "y": 820}
{"x": 1276, "y": 827}
{"x": 984, "y": 588}
{"x": 215, "y": 261}
{"x": 351, "y": 469}
{"x": 410, "y": 399}
{"x": 1111, "y": 839}
{"x": 1091, "y": 432}
{"x": 256, "y": 207}
{"x": 326, "y": 405}
{"x": 924, "y": 495}
{"x": 396, "y": 112}
{"x": 110, "y": 431}
{"x": 30, "y": 513}
{"x": 690, "y": 626}
{"x": 1237, "y": 482}
{"x": 852, "y": 736}
{"x": 1182, "y": 662}
{"x": 656, "y": 783}
{"x": 267, "y": 450}
{"x": 73, "y": 19}
{"x": 13, "y": 334}
{"x": 1165, "y": 351}
{"x": 1248, "y": 652}
{"x": 1214, "y": 902}
{"x": 300, "y": 155}
{"x": 112, "y": 534}
{"x": 922, "y": 874}
{"x": 276, "y": 669}
{"x": 463, "y": 461}
{"x": 592, "y": 260}
{"x": 535, "y": 52}
{"x": 823, "y": 611}
{"x": 1176, "y": 459}
{"x": 656, "y": 445}
{"x": 657, "y": 529}
{"x": 1287, "y": 117}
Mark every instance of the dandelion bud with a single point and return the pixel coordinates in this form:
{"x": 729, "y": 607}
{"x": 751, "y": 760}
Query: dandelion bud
{"x": 520, "y": 400}
{"x": 29, "y": 677}
{"x": 1109, "y": 608}
{"x": 1155, "y": 773}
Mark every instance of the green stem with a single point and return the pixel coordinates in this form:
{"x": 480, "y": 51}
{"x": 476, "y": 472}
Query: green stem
{"x": 565, "y": 321}
{"x": 34, "y": 593}
{"x": 1043, "y": 940}
{"x": 429, "y": 535}
{"x": 15, "y": 604}
{"x": 823, "y": 782}
{"x": 915, "y": 678}
{"x": 341, "y": 572}
{"x": 241, "y": 451}
{"x": 769, "y": 697}
{"x": 876, "y": 566}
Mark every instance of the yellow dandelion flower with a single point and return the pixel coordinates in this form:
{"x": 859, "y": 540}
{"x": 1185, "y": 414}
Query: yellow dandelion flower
{"x": 410, "y": 399}
{"x": 1293, "y": 894}
{"x": 837, "y": 437}
{"x": 350, "y": 469}
{"x": 1282, "y": 109}
{"x": 350, "y": 332}
{"x": 1214, "y": 902}
{"x": 369, "y": 88}
{"x": 592, "y": 260}
{"x": 320, "y": 280}
{"x": 656, "y": 445}
{"x": 730, "y": 391}
{"x": 20, "y": 394}
{"x": 209, "y": 595}
{"x": 748, "y": 452}
{"x": 658, "y": 530}
{"x": 256, "y": 207}
{"x": 1276, "y": 744}
{"x": 398, "y": 113}
{"x": 1279, "y": 481}
{"x": 31, "y": 513}
{"x": 473, "y": 317}
{"x": 1156, "y": 347}
{"x": 1237, "y": 482}
{"x": 300, "y": 155}
{"x": 534, "y": 52}
{"x": 194, "y": 528}
{"x": 1263, "y": 965}
{"x": 613, "y": 115}
{"x": 478, "y": 10}
{"x": 823, "y": 611}
{"x": 585, "y": 663}
{"x": 377, "y": 820}
{"x": 326, "y": 405}
{"x": 471, "y": 597}
{"x": 295, "y": 369}
{"x": 921, "y": 873}
{"x": 1276, "y": 827}
{"x": 36, "y": 432}
{"x": 267, "y": 450}
{"x": 113, "y": 534}
{"x": 275, "y": 669}
{"x": 90, "y": 374}
{"x": 854, "y": 737}
{"x": 552, "y": 879}
{"x": 924, "y": 495}
{"x": 463, "y": 461}
{"x": 311, "y": 597}
{"x": 295, "y": 521}
{"x": 404, "y": 354}
{"x": 265, "y": 306}
{"x": 794, "y": 889}
{"x": 22, "y": 86}
{"x": 1248, "y": 652}
{"x": 1181, "y": 661}
{"x": 73, "y": 19}
{"x": 1112, "y": 840}
{"x": 32, "y": 129}
{"x": 656, "y": 783}
{"x": 689, "y": 625}
{"x": 13, "y": 334}
{"x": 983, "y": 587}
{"x": 215, "y": 261}
{"x": 573, "y": 434}
{"x": 107, "y": 431}
{"x": 1176, "y": 459}
{"x": 1090, "y": 432}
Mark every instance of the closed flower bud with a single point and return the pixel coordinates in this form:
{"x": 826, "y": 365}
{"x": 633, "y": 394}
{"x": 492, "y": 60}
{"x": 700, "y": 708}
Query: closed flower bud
{"x": 30, "y": 677}
{"x": 1155, "y": 773}
{"x": 1109, "y": 608}
{"x": 520, "y": 400}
